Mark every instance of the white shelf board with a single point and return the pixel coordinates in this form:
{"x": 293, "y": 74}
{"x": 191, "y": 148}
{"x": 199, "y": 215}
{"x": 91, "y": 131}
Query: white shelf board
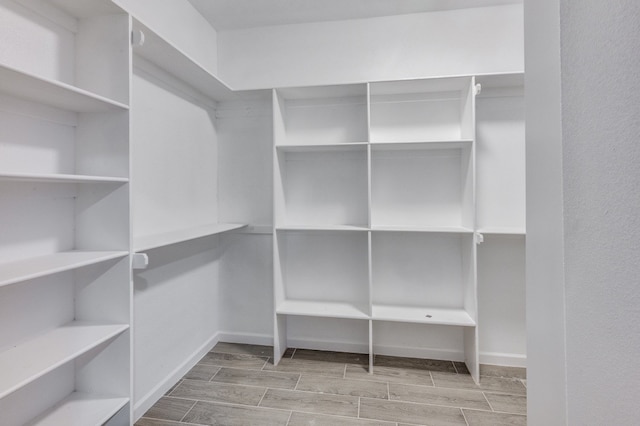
{"x": 348, "y": 146}
{"x": 321, "y": 228}
{"x": 31, "y": 360}
{"x": 322, "y": 309}
{"x": 176, "y": 62}
{"x": 440, "y": 229}
{"x": 497, "y": 230}
{"x": 40, "y": 266}
{"x": 54, "y": 177}
{"x": 148, "y": 242}
{"x": 439, "y": 316}
{"x": 80, "y": 409}
{"x": 407, "y": 145}
{"x": 53, "y": 93}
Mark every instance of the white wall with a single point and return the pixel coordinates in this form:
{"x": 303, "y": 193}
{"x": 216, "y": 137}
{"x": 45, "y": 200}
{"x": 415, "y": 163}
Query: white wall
{"x": 180, "y": 23}
{"x": 582, "y": 211}
{"x": 482, "y": 40}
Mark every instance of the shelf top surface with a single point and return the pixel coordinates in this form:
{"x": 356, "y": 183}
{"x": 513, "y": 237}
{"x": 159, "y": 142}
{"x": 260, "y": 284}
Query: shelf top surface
{"x": 27, "y": 362}
{"x": 148, "y": 242}
{"x": 422, "y": 315}
{"x": 54, "y": 177}
{"x": 23, "y": 270}
{"x": 322, "y": 309}
{"x": 57, "y": 94}
{"x": 178, "y": 63}
{"x": 80, "y": 409}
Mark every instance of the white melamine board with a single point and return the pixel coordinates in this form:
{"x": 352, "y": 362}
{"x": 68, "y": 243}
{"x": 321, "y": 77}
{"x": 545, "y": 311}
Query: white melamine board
{"x": 176, "y": 62}
{"x": 87, "y": 8}
{"x": 436, "y": 229}
{"x": 46, "y": 265}
{"x": 81, "y": 409}
{"x": 29, "y": 361}
{"x": 420, "y": 269}
{"x": 34, "y": 177}
{"x": 420, "y": 187}
{"x": 500, "y": 152}
{"x": 423, "y": 315}
{"x": 321, "y": 228}
{"x": 323, "y": 188}
{"x": 502, "y": 298}
{"x": 322, "y": 147}
{"x": 323, "y": 309}
{"x": 245, "y": 166}
{"x": 53, "y": 93}
{"x": 148, "y": 242}
{"x": 423, "y": 145}
{"x": 323, "y": 266}
{"x": 419, "y": 110}
{"x": 324, "y": 115}
{"x": 172, "y": 134}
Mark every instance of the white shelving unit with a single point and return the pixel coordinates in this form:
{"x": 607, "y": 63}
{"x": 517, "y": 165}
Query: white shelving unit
{"x": 395, "y": 161}
{"x": 64, "y": 180}
{"x": 172, "y": 67}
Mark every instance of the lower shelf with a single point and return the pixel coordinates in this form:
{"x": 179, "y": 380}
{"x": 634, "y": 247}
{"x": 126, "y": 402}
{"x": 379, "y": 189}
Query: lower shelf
{"x": 27, "y": 362}
{"x": 422, "y": 315}
{"x": 322, "y": 309}
{"x": 80, "y": 409}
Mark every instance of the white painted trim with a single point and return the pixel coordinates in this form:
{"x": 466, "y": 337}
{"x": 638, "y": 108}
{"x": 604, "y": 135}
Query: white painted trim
{"x": 245, "y": 338}
{"x": 503, "y": 359}
{"x": 427, "y": 353}
{"x": 324, "y": 345}
{"x": 164, "y": 385}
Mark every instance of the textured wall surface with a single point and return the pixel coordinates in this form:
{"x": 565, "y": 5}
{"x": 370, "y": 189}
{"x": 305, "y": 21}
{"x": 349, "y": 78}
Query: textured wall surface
{"x": 583, "y": 233}
{"x": 601, "y": 164}
{"x": 481, "y": 40}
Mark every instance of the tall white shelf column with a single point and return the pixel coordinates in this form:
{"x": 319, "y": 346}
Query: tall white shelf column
{"x": 65, "y": 339}
{"x": 374, "y": 206}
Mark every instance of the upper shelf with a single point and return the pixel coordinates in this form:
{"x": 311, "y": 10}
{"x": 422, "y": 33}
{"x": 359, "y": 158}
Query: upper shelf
{"x": 36, "y": 267}
{"x": 62, "y": 178}
{"x": 30, "y": 87}
{"x": 165, "y": 55}
{"x": 149, "y": 242}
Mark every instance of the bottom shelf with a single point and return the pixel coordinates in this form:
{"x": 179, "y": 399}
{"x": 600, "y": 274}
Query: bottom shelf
{"x": 81, "y": 409}
{"x": 322, "y": 309}
{"x": 422, "y": 315}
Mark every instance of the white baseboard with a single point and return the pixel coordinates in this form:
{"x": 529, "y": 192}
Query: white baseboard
{"x": 503, "y": 359}
{"x": 164, "y": 385}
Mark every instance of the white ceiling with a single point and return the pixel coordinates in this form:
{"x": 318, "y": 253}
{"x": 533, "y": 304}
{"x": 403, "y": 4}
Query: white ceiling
{"x": 240, "y": 14}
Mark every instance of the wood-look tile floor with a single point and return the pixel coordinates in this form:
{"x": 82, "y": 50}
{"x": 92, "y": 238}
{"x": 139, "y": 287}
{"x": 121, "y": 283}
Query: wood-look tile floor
{"x": 239, "y": 385}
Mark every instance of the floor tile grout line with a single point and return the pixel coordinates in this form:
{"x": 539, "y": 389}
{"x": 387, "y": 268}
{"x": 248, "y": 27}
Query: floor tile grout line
{"x": 188, "y": 411}
{"x": 298, "y": 382}
{"x": 344, "y": 372}
{"x": 289, "y": 418}
{"x": 165, "y": 420}
{"x": 434, "y": 405}
{"x": 358, "y": 415}
{"x": 388, "y": 391}
{"x": 262, "y": 397}
{"x": 487, "y": 399}
{"x": 464, "y": 417}
{"x": 498, "y": 412}
{"x": 455, "y": 368}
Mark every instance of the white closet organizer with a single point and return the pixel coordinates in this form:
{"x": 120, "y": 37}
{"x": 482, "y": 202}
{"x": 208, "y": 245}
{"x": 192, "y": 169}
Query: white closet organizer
{"x": 64, "y": 183}
{"x": 157, "y": 57}
{"x": 374, "y": 198}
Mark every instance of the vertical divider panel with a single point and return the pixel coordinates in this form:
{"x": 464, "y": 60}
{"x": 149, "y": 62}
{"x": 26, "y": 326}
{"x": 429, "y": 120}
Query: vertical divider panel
{"x": 132, "y": 328}
{"x": 369, "y": 224}
{"x": 279, "y": 321}
{"x": 471, "y": 344}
